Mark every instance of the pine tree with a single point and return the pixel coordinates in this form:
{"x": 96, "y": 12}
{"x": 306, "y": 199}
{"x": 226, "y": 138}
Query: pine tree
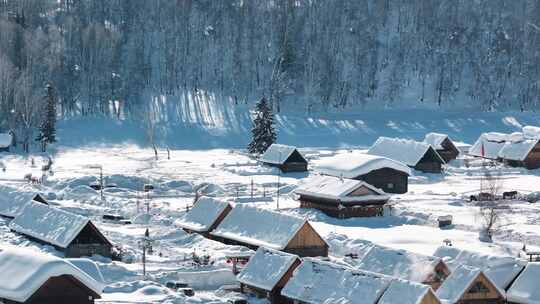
{"x": 263, "y": 132}
{"x": 47, "y": 129}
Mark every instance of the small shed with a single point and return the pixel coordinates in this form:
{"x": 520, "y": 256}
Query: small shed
{"x": 13, "y": 201}
{"x": 405, "y": 265}
{"x": 32, "y": 277}
{"x": 417, "y": 155}
{"x": 526, "y": 288}
{"x": 286, "y": 158}
{"x": 525, "y": 153}
{"x": 389, "y": 175}
{"x": 6, "y": 141}
{"x": 340, "y": 197}
{"x": 255, "y": 227}
{"x": 501, "y": 270}
{"x": 70, "y": 233}
{"x": 469, "y": 285}
{"x": 316, "y": 281}
{"x": 406, "y": 292}
{"x": 267, "y": 272}
{"x": 205, "y": 216}
{"x": 443, "y": 145}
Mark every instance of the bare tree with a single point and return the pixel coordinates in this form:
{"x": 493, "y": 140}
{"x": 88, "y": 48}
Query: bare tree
{"x": 491, "y": 207}
{"x": 150, "y": 120}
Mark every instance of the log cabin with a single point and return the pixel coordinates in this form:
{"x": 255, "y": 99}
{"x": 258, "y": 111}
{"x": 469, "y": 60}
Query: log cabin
{"x": 266, "y": 274}
{"x": 316, "y": 281}
{"x": 469, "y": 285}
{"x": 389, "y": 175}
{"x": 12, "y": 201}
{"x": 31, "y": 277}
{"x": 406, "y": 292}
{"x": 205, "y": 216}
{"x": 340, "y": 197}
{"x": 526, "y": 288}
{"x": 443, "y": 145}
{"x": 525, "y": 153}
{"x": 417, "y": 155}
{"x": 489, "y": 144}
{"x": 406, "y": 265}
{"x": 286, "y": 158}
{"x": 72, "y": 234}
{"x": 255, "y": 227}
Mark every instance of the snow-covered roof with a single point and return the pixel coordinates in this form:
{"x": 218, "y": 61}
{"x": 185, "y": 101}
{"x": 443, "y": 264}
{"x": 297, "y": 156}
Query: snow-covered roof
{"x": 435, "y": 140}
{"x": 266, "y": 268}
{"x": 458, "y": 283}
{"x": 517, "y": 150}
{"x": 492, "y": 143}
{"x": 399, "y": 263}
{"x": 5, "y": 140}
{"x": 13, "y": 200}
{"x": 404, "y": 292}
{"x": 315, "y": 281}
{"x": 531, "y": 132}
{"x": 259, "y": 227}
{"x": 352, "y": 165}
{"x": 49, "y": 224}
{"x": 406, "y": 151}
{"x": 335, "y": 188}
{"x": 526, "y": 289}
{"x": 277, "y": 154}
{"x": 24, "y": 271}
{"x": 502, "y": 270}
{"x": 203, "y": 215}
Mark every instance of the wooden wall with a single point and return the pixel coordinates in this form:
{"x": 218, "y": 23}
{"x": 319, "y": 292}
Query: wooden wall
{"x": 491, "y": 297}
{"x": 307, "y": 242}
{"x": 430, "y": 298}
{"x": 382, "y": 178}
{"x": 63, "y": 290}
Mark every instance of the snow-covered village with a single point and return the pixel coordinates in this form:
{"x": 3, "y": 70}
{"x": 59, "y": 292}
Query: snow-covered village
{"x": 269, "y": 152}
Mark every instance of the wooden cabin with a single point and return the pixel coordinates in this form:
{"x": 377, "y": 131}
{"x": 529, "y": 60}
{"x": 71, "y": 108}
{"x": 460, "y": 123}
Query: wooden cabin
{"x": 205, "y": 216}
{"x": 526, "y": 288}
{"x": 524, "y": 154}
{"x": 406, "y": 265}
{"x": 389, "y": 175}
{"x": 407, "y": 292}
{"x": 286, "y": 158}
{"x": 267, "y": 273}
{"x": 340, "y": 197}
{"x": 12, "y": 201}
{"x": 489, "y": 144}
{"x": 443, "y": 145}
{"x": 6, "y": 141}
{"x": 469, "y": 285}
{"x": 70, "y": 233}
{"x": 255, "y": 227}
{"x": 417, "y": 155}
{"x": 53, "y": 280}
{"x": 316, "y": 281}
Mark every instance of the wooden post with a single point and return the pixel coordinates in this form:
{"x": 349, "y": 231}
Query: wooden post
{"x": 251, "y": 187}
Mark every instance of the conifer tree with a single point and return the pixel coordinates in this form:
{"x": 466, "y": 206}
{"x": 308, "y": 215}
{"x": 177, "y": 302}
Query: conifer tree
{"x": 47, "y": 129}
{"x": 263, "y": 132}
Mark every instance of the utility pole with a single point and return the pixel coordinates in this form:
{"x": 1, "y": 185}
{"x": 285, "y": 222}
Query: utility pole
{"x": 251, "y": 187}
{"x": 100, "y": 167}
{"x": 145, "y": 244}
{"x": 278, "y": 177}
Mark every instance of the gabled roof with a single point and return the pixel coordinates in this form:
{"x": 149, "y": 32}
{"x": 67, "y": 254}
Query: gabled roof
{"x": 531, "y": 132}
{"x": 334, "y": 188}
{"x": 49, "y": 224}
{"x": 435, "y": 140}
{"x": 24, "y": 271}
{"x": 203, "y": 215}
{"x": 13, "y": 201}
{"x": 266, "y": 268}
{"x": 459, "y": 281}
{"x": 517, "y": 150}
{"x": 526, "y": 289}
{"x": 352, "y": 165}
{"x": 5, "y": 140}
{"x": 399, "y": 263}
{"x": 406, "y": 151}
{"x": 259, "y": 227}
{"x": 278, "y": 154}
{"x": 405, "y": 292}
{"x": 315, "y": 281}
{"x": 502, "y": 270}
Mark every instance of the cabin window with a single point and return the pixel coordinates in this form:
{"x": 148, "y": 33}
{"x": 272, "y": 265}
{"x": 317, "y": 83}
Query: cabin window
{"x": 390, "y": 186}
{"x": 479, "y": 287}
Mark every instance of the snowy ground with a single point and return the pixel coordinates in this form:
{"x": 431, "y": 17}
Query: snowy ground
{"x": 229, "y": 174}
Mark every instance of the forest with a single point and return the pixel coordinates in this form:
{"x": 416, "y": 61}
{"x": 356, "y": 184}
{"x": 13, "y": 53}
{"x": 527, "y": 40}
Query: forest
{"x": 123, "y": 59}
